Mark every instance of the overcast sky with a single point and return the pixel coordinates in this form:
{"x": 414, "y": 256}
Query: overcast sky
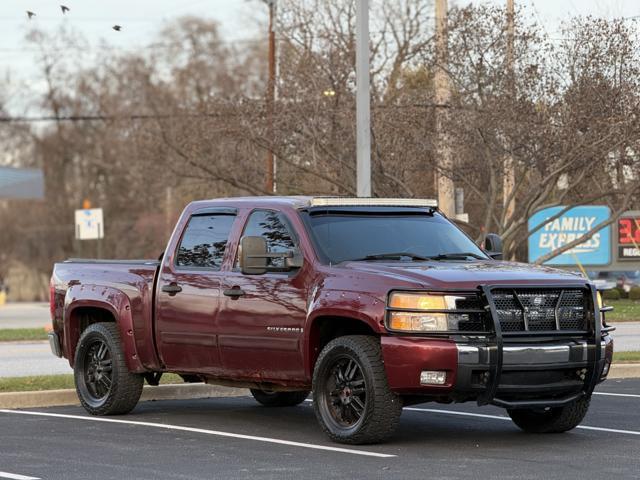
{"x": 141, "y": 19}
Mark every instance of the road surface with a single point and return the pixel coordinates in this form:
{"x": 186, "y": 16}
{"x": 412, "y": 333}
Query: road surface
{"x": 627, "y": 336}
{"x": 19, "y": 359}
{"x": 24, "y": 315}
{"x": 235, "y": 438}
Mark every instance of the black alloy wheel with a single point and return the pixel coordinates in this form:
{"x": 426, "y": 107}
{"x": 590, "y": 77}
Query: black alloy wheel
{"x": 97, "y": 372}
{"x": 345, "y": 393}
{"x": 104, "y": 384}
{"x": 351, "y": 396}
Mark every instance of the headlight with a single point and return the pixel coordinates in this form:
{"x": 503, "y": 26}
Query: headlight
{"x": 421, "y": 312}
{"x": 422, "y": 301}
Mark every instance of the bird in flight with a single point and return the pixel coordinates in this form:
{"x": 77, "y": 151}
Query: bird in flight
{"x": 30, "y": 14}
{"x": 64, "y": 9}
{"x": 117, "y": 28}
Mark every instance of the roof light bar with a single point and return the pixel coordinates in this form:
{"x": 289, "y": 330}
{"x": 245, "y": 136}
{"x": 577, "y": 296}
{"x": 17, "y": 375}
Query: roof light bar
{"x": 367, "y": 202}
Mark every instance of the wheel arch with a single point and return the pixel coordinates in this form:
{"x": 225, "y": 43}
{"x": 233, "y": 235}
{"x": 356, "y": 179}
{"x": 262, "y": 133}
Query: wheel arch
{"x": 324, "y": 327}
{"x": 81, "y": 311}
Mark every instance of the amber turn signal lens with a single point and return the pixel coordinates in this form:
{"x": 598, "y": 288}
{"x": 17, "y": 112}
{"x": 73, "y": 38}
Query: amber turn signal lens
{"x": 600, "y": 301}
{"x": 416, "y": 301}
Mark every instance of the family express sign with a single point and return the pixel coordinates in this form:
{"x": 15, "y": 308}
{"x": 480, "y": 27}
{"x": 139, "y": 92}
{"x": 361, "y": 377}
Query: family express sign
{"x": 573, "y": 224}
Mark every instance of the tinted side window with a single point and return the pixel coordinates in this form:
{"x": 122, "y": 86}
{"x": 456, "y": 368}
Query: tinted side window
{"x": 204, "y": 241}
{"x": 272, "y": 226}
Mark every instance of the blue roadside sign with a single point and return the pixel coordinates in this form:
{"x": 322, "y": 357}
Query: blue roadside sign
{"x": 574, "y": 223}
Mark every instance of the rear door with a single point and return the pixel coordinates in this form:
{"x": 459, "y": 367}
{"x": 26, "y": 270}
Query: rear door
{"x": 261, "y": 330}
{"x": 189, "y": 290}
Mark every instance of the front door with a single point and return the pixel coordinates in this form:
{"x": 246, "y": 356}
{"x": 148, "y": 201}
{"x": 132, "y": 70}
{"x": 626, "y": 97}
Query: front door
{"x": 262, "y": 317}
{"x": 189, "y": 291}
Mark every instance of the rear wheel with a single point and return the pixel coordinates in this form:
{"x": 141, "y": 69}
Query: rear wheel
{"x": 104, "y": 384}
{"x": 279, "y": 399}
{"x": 552, "y": 420}
{"x": 351, "y": 397}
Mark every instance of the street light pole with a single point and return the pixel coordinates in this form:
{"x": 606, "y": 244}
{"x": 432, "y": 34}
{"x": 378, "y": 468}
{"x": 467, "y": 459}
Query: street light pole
{"x": 509, "y": 179}
{"x": 443, "y": 95}
{"x": 363, "y": 114}
{"x": 270, "y": 183}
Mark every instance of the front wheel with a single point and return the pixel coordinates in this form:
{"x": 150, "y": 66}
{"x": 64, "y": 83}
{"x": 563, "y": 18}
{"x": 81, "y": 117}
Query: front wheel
{"x": 104, "y": 384}
{"x": 551, "y": 420}
{"x": 351, "y": 396}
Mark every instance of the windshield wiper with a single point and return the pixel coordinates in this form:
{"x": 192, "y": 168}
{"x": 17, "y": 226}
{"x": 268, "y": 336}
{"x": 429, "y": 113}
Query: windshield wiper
{"x": 456, "y": 256}
{"x": 383, "y": 256}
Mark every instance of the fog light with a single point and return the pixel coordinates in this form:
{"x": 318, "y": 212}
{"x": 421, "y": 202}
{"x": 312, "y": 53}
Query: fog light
{"x": 605, "y": 370}
{"x": 433, "y": 377}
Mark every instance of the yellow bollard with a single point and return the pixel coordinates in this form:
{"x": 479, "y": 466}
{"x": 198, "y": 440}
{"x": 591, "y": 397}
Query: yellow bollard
{"x": 3, "y": 297}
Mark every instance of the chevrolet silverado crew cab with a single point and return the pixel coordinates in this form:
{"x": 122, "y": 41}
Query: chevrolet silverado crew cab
{"x": 370, "y": 304}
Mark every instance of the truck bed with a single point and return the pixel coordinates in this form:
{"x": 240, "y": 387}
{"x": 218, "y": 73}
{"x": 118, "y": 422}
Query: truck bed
{"x": 118, "y": 284}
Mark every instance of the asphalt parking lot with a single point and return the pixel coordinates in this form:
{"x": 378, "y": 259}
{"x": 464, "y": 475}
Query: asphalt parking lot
{"x": 236, "y": 438}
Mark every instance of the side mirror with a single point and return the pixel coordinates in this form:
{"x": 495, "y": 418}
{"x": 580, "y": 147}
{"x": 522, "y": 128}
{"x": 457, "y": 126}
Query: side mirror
{"x": 493, "y": 246}
{"x": 254, "y": 257}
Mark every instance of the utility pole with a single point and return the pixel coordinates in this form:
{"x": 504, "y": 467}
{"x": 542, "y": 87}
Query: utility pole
{"x": 270, "y": 183}
{"x": 509, "y": 179}
{"x": 363, "y": 114}
{"x": 443, "y": 95}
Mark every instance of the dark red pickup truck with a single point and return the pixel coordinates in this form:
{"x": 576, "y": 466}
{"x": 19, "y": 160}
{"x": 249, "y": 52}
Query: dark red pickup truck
{"x": 371, "y": 304}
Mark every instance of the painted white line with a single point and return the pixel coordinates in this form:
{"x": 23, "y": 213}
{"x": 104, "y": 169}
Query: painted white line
{"x": 207, "y": 432}
{"x": 611, "y": 430}
{"x": 453, "y": 412}
{"x": 15, "y": 476}
{"x": 498, "y": 417}
{"x": 617, "y": 394}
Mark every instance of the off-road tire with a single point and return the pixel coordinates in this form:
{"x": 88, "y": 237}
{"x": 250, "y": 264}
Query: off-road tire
{"x": 125, "y": 387}
{"x": 382, "y": 407}
{"x": 555, "y": 420}
{"x": 279, "y": 399}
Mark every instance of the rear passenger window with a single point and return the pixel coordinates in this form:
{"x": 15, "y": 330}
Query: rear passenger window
{"x": 273, "y": 227}
{"x": 204, "y": 241}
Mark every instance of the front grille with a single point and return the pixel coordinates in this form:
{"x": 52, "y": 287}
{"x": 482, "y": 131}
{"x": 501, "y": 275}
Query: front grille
{"x": 472, "y": 321}
{"x": 538, "y": 310}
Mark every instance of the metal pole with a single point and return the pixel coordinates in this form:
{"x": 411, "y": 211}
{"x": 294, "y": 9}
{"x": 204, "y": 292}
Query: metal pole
{"x": 509, "y": 179}
{"x": 443, "y": 95}
{"x": 363, "y": 114}
{"x": 270, "y": 185}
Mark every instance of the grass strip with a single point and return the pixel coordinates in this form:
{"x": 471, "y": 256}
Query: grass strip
{"x": 57, "y": 382}
{"x": 16, "y": 334}
{"x": 624, "y": 310}
{"x": 626, "y": 357}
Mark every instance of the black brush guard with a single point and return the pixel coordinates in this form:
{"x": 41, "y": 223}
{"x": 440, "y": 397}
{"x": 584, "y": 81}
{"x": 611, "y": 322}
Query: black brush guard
{"x": 594, "y": 323}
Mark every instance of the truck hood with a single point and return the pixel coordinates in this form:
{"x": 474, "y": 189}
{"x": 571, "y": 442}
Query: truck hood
{"x": 465, "y": 275}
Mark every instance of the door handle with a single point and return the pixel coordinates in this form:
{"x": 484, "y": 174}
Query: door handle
{"x": 172, "y": 289}
{"x": 234, "y": 292}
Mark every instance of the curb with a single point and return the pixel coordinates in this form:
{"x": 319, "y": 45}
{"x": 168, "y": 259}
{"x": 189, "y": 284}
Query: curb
{"x": 56, "y": 398}
{"x": 624, "y": 370}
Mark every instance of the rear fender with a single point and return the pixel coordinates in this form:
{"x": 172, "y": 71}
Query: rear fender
{"x": 110, "y": 300}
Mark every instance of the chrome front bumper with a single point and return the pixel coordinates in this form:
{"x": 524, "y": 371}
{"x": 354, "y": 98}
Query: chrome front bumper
{"x": 530, "y": 375}
{"x": 568, "y": 354}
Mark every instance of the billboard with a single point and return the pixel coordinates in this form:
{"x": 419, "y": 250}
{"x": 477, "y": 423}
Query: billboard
{"x": 573, "y": 224}
{"x": 629, "y": 238}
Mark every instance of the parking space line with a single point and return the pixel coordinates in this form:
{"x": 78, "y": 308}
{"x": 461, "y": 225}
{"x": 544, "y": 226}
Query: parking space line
{"x": 498, "y": 417}
{"x": 15, "y": 476}
{"x": 204, "y": 431}
{"x": 632, "y": 395}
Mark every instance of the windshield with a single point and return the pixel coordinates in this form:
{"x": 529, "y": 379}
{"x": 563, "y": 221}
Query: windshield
{"x": 356, "y": 236}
